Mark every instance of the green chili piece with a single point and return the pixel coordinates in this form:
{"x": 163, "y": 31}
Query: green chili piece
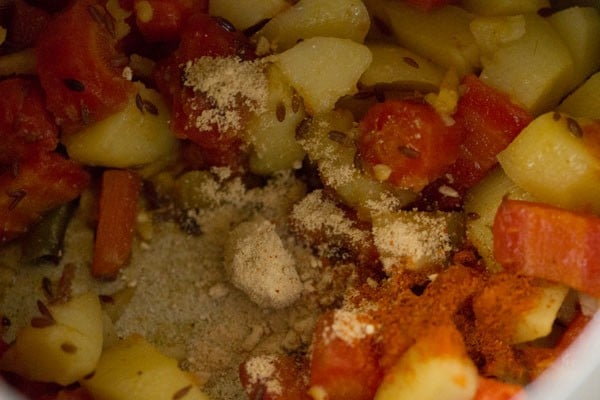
{"x": 44, "y": 241}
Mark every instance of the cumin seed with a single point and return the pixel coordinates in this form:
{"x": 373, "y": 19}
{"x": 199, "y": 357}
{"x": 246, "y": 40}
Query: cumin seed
{"x": 16, "y": 196}
{"x": 181, "y": 393}
{"x": 150, "y": 107}
{"x": 139, "y": 102}
{"x": 280, "y": 111}
{"x": 102, "y": 18}
{"x": 340, "y": 137}
{"x": 556, "y": 116}
{"x": 68, "y": 348}
{"x": 574, "y": 127}
{"x": 409, "y": 152}
{"x": 411, "y": 62}
{"x": 74, "y": 85}
{"x": 90, "y": 375}
{"x": 226, "y": 24}
{"x": 109, "y": 24}
{"x": 41, "y": 322}
{"x": 95, "y": 14}
{"x": 65, "y": 283}
{"x": 43, "y": 309}
{"x": 303, "y": 128}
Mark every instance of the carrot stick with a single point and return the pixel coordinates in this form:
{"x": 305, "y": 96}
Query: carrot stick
{"x": 548, "y": 242}
{"x": 117, "y": 213}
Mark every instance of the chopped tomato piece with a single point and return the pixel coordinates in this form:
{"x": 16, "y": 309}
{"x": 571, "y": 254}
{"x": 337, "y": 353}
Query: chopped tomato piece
{"x": 493, "y": 389}
{"x": 25, "y": 126}
{"x": 202, "y": 35}
{"x": 343, "y": 368}
{"x": 44, "y": 181}
{"x": 491, "y": 122}
{"x": 274, "y": 378}
{"x": 407, "y": 143}
{"x": 79, "y": 66}
{"x": 549, "y": 242}
{"x": 162, "y": 20}
{"x": 117, "y": 213}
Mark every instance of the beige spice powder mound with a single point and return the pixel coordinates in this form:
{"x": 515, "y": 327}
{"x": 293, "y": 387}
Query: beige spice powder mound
{"x": 181, "y": 299}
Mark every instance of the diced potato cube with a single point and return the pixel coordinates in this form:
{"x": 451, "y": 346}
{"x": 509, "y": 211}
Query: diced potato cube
{"x": 272, "y": 132}
{"x": 442, "y": 35}
{"x": 63, "y": 351}
{"x": 535, "y": 70}
{"x": 518, "y": 309}
{"x": 493, "y": 32}
{"x": 402, "y": 68}
{"x": 504, "y": 7}
{"x": 481, "y": 204}
{"x": 435, "y": 367}
{"x": 579, "y": 27}
{"x": 346, "y": 19}
{"x": 550, "y": 160}
{"x": 313, "y": 69}
{"x": 247, "y": 13}
{"x": 585, "y": 100}
{"x": 415, "y": 239}
{"x": 137, "y": 135}
{"x": 133, "y": 369}
{"x": 538, "y": 322}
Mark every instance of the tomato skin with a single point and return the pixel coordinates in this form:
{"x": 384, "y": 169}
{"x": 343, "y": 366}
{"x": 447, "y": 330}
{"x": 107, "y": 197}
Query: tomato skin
{"x": 46, "y": 180}
{"x": 26, "y": 127}
{"x": 76, "y": 57}
{"x": 411, "y": 139}
{"x": 491, "y": 121}
{"x": 345, "y": 371}
{"x": 33, "y": 178}
{"x": 167, "y": 17}
{"x": 202, "y": 35}
{"x": 549, "y": 242}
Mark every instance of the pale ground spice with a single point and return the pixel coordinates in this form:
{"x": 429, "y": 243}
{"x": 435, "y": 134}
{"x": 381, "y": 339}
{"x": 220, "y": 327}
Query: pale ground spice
{"x": 183, "y": 301}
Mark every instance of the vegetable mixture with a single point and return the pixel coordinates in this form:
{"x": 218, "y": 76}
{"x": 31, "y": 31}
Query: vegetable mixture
{"x": 312, "y": 199}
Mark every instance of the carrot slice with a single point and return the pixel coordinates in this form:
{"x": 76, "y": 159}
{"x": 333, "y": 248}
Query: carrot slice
{"x": 548, "y": 242}
{"x": 117, "y": 213}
